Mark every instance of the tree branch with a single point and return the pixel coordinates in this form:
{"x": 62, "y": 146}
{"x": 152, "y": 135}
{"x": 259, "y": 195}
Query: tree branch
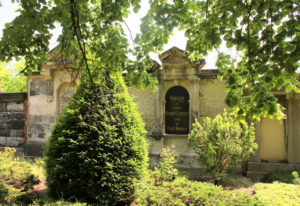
{"x": 78, "y": 36}
{"x": 129, "y": 33}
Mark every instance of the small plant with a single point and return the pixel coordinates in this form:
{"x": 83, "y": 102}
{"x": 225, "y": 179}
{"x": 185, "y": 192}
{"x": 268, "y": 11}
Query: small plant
{"x": 166, "y": 170}
{"x": 222, "y": 144}
{"x": 280, "y": 176}
{"x": 9, "y": 194}
{"x": 296, "y": 179}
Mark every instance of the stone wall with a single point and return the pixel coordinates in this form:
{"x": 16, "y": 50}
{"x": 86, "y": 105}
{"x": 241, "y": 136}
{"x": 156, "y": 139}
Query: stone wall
{"x": 12, "y": 119}
{"x": 49, "y": 92}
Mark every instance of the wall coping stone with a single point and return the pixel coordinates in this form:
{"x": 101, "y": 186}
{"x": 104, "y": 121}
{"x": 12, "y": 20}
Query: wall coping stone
{"x": 12, "y": 96}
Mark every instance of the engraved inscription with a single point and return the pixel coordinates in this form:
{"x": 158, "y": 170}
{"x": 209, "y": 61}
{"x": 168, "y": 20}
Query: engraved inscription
{"x": 177, "y": 111}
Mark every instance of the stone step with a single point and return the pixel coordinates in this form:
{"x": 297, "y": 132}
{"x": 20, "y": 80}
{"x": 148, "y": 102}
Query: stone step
{"x": 269, "y": 167}
{"x": 256, "y": 176}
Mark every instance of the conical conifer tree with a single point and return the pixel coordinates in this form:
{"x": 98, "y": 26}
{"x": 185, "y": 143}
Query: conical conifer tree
{"x": 97, "y": 148}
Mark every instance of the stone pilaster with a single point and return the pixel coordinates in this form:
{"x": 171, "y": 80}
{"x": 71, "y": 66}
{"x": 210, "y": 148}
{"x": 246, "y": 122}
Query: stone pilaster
{"x": 293, "y": 128}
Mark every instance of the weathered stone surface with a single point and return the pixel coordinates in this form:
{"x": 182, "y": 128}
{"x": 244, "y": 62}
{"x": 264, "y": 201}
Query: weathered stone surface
{"x": 3, "y": 141}
{"x": 3, "y": 106}
{"x": 15, "y": 141}
{"x": 12, "y": 119}
{"x": 9, "y": 97}
{"x": 4, "y": 132}
{"x": 42, "y": 119}
{"x": 3, "y": 124}
{"x": 36, "y": 131}
{"x": 40, "y": 87}
{"x": 34, "y": 149}
{"x": 40, "y": 126}
{"x": 12, "y": 115}
{"x": 16, "y": 124}
{"x": 15, "y": 106}
{"x": 16, "y": 133}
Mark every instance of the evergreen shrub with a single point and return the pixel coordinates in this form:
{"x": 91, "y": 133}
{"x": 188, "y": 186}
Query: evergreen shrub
{"x": 97, "y": 147}
{"x": 16, "y": 177}
{"x": 222, "y": 144}
{"x": 182, "y": 192}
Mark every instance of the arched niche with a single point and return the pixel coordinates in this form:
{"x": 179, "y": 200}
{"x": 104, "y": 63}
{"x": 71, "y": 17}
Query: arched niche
{"x": 177, "y": 111}
{"x": 64, "y": 93}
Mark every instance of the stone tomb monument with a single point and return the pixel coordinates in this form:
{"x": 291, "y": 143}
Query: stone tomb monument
{"x": 185, "y": 92}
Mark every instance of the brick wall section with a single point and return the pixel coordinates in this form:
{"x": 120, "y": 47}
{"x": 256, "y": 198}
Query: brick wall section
{"x": 12, "y": 119}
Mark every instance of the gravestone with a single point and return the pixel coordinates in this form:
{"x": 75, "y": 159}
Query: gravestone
{"x": 177, "y": 111}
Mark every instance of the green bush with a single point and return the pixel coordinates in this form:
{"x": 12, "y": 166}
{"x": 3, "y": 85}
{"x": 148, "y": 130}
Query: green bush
{"x": 16, "y": 177}
{"x": 97, "y": 148}
{"x": 277, "y": 193}
{"x": 181, "y": 192}
{"x": 291, "y": 177}
{"x": 222, "y": 144}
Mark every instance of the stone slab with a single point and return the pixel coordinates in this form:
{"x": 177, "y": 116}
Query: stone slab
{"x": 3, "y": 141}
{"x": 34, "y": 149}
{"x": 36, "y": 119}
{"x": 3, "y": 107}
{"x": 17, "y": 133}
{"x": 15, "y": 106}
{"x": 269, "y": 167}
{"x": 15, "y": 141}
{"x": 12, "y": 115}
{"x": 40, "y": 87}
{"x": 4, "y": 132}
{"x": 16, "y": 124}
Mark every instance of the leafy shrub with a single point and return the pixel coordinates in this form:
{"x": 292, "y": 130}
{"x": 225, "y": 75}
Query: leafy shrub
{"x": 16, "y": 176}
{"x": 97, "y": 148}
{"x": 185, "y": 192}
{"x": 222, "y": 144}
{"x": 277, "y": 193}
{"x": 278, "y": 176}
{"x": 166, "y": 170}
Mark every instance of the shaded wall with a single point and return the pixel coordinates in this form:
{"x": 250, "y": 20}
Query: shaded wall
{"x": 12, "y": 119}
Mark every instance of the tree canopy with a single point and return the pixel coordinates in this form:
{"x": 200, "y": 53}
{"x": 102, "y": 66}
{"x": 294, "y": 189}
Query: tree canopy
{"x": 92, "y": 35}
{"x": 264, "y": 32}
{"x": 11, "y": 79}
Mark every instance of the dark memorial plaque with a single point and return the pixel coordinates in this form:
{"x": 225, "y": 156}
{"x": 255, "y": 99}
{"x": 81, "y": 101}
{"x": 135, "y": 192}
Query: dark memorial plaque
{"x": 177, "y": 111}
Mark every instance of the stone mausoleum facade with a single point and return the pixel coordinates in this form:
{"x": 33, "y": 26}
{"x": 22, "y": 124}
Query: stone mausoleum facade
{"x": 185, "y": 92}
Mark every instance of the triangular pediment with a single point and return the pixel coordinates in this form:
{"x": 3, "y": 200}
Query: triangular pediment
{"x": 55, "y": 56}
{"x": 174, "y": 56}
